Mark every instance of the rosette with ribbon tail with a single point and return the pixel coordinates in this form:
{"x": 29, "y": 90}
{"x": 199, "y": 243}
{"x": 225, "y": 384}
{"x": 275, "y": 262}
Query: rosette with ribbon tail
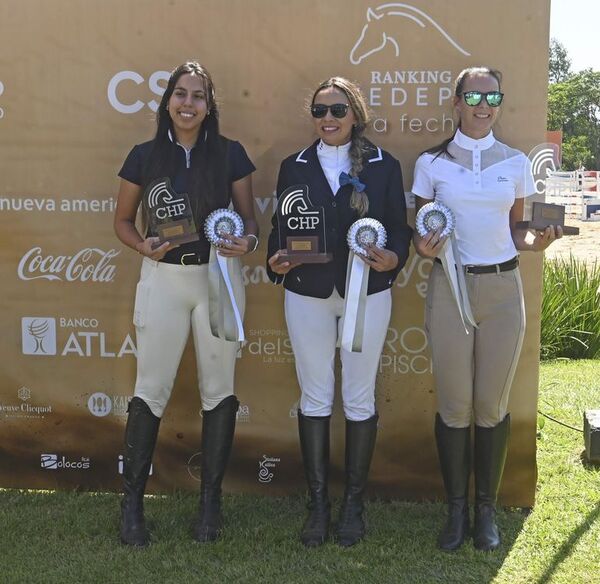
{"x": 431, "y": 217}
{"x": 361, "y": 234}
{"x": 225, "y": 288}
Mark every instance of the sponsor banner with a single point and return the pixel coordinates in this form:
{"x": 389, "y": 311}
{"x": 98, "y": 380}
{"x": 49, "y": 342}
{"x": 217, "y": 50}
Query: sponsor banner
{"x": 68, "y": 342}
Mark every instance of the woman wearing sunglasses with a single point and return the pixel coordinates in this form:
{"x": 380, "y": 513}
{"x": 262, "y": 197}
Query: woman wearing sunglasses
{"x": 483, "y": 182}
{"x": 350, "y": 178}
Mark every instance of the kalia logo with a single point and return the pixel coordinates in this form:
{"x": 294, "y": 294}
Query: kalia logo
{"x": 100, "y": 404}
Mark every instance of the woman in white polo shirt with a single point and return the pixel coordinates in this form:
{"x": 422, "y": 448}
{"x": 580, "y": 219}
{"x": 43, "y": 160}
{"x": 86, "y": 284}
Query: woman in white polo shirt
{"x": 483, "y": 182}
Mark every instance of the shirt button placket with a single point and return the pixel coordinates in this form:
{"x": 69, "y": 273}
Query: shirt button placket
{"x": 477, "y": 167}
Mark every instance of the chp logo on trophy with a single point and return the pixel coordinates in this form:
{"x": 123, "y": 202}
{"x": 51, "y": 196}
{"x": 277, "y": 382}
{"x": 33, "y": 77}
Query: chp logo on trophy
{"x": 170, "y": 215}
{"x": 301, "y": 228}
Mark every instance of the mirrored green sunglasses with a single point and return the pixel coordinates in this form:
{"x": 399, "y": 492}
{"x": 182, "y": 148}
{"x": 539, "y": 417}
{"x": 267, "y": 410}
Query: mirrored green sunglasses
{"x": 493, "y": 98}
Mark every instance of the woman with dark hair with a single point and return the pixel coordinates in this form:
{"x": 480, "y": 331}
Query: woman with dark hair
{"x": 483, "y": 182}
{"x": 172, "y": 293}
{"x": 350, "y": 178}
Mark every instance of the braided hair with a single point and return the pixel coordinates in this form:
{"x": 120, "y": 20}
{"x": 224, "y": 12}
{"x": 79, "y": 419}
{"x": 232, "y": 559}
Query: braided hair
{"x": 358, "y": 201}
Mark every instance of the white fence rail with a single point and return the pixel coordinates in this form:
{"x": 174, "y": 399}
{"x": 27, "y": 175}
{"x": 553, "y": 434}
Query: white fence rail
{"x": 577, "y": 191}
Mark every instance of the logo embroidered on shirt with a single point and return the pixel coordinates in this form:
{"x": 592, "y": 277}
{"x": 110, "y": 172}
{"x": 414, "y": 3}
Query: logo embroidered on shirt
{"x": 502, "y": 179}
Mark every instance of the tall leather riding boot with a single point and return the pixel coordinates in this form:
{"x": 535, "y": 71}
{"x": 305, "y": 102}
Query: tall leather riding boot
{"x": 218, "y": 426}
{"x": 314, "y": 443}
{"x": 491, "y": 445}
{"x": 454, "y": 451}
{"x": 360, "y": 443}
{"x": 140, "y": 439}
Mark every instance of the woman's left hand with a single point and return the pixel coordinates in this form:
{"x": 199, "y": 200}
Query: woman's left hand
{"x": 544, "y": 238}
{"x": 236, "y": 246}
{"x": 380, "y": 259}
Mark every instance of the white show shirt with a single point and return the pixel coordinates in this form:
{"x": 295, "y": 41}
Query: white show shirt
{"x": 480, "y": 184}
{"x": 334, "y": 160}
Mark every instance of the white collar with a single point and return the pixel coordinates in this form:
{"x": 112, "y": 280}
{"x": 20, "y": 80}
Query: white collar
{"x": 327, "y": 150}
{"x": 467, "y": 143}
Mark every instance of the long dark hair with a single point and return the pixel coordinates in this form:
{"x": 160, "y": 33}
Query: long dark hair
{"x": 459, "y": 83}
{"x": 358, "y": 201}
{"x": 208, "y": 188}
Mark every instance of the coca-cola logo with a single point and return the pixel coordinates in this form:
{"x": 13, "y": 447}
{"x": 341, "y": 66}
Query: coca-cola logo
{"x": 89, "y": 264}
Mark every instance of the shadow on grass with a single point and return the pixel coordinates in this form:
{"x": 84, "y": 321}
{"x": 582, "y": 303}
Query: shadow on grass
{"x": 566, "y": 548}
{"x": 588, "y": 464}
{"x": 260, "y": 543}
{"x": 410, "y": 531}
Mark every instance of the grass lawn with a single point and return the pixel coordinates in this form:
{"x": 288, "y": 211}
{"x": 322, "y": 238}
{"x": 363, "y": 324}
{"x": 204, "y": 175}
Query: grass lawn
{"x": 71, "y": 537}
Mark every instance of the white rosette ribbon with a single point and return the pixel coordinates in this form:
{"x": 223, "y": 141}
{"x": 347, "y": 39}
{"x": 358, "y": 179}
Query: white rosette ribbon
{"x": 434, "y": 216}
{"x": 225, "y": 288}
{"x": 362, "y": 233}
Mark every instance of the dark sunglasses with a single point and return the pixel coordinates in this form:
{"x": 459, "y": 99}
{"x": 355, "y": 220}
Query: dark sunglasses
{"x": 493, "y": 98}
{"x": 338, "y": 110}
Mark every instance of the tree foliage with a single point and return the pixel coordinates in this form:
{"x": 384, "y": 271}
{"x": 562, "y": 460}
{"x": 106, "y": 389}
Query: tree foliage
{"x": 574, "y": 108}
{"x": 559, "y": 66}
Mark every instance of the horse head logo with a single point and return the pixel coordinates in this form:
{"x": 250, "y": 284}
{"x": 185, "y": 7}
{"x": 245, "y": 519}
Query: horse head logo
{"x": 378, "y": 31}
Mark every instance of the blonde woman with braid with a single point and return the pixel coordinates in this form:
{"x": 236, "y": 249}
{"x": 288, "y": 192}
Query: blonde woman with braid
{"x": 350, "y": 178}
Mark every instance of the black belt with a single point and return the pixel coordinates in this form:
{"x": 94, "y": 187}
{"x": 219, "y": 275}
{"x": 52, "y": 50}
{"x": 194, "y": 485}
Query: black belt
{"x": 186, "y": 259}
{"x": 492, "y": 268}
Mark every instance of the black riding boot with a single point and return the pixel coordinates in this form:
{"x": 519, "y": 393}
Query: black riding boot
{"x": 218, "y": 426}
{"x": 454, "y": 450}
{"x": 140, "y": 438}
{"x": 360, "y": 443}
{"x": 490, "y": 454}
{"x": 314, "y": 443}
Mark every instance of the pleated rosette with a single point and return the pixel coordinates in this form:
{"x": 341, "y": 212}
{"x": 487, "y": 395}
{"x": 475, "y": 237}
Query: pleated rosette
{"x": 225, "y": 286}
{"x": 431, "y": 217}
{"x": 361, "y": 234}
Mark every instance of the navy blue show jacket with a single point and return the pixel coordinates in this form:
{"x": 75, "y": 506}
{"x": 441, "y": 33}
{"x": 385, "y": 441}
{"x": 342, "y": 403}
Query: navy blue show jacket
{"x": 383, "y": 179}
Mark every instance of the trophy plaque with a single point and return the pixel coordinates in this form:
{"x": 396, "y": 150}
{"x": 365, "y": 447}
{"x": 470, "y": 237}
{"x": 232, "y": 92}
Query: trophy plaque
{"x": 170, "y": 215}
{"x": 301, "y": 228}
{"x": 545, "y": 214}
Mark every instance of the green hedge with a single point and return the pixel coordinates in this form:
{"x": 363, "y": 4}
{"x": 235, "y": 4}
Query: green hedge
{"x": 570, "y": 320}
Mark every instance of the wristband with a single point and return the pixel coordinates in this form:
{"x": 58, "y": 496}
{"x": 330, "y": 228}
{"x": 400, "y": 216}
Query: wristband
{"x": 255, "y": 242}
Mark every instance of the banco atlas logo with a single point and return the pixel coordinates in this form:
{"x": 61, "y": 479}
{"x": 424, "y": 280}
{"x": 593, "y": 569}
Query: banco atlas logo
{"x": 383, "y": 27}
{"x": 38, "y": 335}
